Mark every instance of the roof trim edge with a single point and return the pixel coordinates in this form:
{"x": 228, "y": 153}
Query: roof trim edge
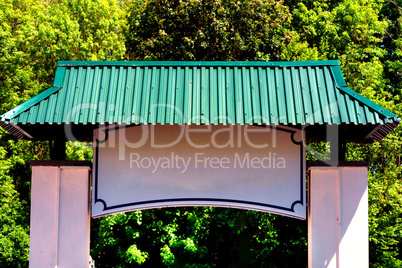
{"x": 57, "y": 85}
{"x": 29, "y": 103}
{"x": 341, "y": 85}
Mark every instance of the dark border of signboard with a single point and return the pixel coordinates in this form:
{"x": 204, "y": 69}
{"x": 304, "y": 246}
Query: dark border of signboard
{"x": 107, "y": 208}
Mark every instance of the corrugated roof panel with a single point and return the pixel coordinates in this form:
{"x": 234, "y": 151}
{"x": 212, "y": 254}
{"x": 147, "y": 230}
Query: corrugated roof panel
{"x": 306, "y": 98}
{"x": 368, "y": 115}
{"x": 238, "y": 85}
{"x": 323, "y": 96}
{"x": 272, "y": 93}
{"x": 289, "y": 115}
{"x": 297, "y": 95}
{"x": 333, "y": 110}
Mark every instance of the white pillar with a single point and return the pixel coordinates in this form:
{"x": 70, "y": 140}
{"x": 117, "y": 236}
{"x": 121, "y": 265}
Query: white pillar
{"x": 338, "y": 216}
{"x": 60, "y": 214}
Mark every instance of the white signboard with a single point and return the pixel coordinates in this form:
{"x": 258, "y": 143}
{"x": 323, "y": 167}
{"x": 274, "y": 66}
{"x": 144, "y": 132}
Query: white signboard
{"x": 238, "y": 166}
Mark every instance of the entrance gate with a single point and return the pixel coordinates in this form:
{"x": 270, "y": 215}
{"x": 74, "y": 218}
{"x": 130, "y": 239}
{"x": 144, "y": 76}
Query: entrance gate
{"x": 229, "y": 134}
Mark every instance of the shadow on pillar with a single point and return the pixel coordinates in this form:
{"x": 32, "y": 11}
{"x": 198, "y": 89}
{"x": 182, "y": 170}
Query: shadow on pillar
{"x": 338, "y": 215}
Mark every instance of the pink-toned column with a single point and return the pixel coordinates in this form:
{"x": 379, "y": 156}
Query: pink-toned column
{"x": 338, "y": 216}
{"x": 60, "y": 214}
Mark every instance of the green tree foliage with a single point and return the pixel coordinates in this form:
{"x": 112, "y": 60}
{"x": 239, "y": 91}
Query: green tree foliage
{"x": 14, "y": 220}
{"x": 36, "y": 34}
{"x": 207, "y": 30}
{"x": 349, "y": 31}
{"x": 198, "y": 237}
{"x": 392, "y": 42}
{"x": 385, "y": 199}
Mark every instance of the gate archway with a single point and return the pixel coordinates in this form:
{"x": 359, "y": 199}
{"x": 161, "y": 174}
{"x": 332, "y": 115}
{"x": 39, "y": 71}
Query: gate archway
{"x": 307, "y": 98}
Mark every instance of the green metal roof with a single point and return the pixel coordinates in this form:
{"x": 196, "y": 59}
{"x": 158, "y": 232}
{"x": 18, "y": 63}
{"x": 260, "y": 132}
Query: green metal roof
{"x": 86, "y": 94}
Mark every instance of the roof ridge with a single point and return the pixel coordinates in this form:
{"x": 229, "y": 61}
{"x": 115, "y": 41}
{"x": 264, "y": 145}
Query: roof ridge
{"x": 199, "y": 63}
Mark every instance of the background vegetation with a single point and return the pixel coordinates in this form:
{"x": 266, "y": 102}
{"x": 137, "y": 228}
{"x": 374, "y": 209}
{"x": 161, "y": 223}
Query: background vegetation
{"x": 364, "y": 35}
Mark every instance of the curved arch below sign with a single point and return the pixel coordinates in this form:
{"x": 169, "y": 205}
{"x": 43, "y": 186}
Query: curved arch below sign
{"x": 199, "y": 202}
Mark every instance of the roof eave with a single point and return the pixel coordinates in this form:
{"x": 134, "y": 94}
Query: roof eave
{"x": 16, "y": 131}
{"x": 83, "y": 132}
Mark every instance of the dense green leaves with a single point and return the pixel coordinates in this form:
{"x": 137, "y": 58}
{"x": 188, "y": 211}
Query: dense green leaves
{"x": 392, "y": 42}
{"x": 14, "y": 198}
{"x": 207, "y": 30}
{"x": 35, "y": 35}
{"x": 199, "y": 237}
